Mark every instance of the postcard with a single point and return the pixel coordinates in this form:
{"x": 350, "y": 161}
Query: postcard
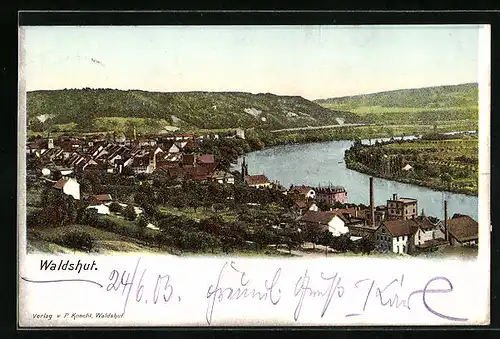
{"x": 254, "y": 176}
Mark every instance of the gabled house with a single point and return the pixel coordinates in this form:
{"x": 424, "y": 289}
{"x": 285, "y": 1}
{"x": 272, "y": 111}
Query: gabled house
{"x": 462, "y": 230}
{"x": 410, "y": 235}
{"x": 302, "y": 207}
{"x": 324, "y": 221}
{"x": 301, "y": 192}
{"x": 428, "y": 230}
{"x": 69, "y": 187}
{"x": 141, "y": 165}
{"x": 257, "y": 181}
{"x": 395, "y": 236}
{"x": 169, "y": 146}
{"x": 100, "y": 199}
{"x": 206, "y": 159}
{"x": 223, "y": 177}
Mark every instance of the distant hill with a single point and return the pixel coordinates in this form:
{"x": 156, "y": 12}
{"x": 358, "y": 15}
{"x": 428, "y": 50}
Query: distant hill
{"x": 439, "y": 103}
{"x": 207, "y": 110}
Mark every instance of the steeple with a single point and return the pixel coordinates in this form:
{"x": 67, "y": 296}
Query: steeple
{"x": 244, "y": 168}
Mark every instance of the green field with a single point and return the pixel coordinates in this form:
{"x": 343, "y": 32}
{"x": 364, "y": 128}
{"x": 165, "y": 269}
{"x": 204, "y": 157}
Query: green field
{"x": 450, "y": 165}
{"x": 45, "y": 240}
{"x": 431, "y": 104}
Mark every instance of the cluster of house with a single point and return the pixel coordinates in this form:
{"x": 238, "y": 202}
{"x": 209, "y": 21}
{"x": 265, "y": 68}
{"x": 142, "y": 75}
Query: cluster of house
{"x": 394, "y": 227}
{"x": 174, "y": 155}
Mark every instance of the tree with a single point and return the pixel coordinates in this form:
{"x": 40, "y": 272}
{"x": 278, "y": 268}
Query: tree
{"x": 342, "y": 243}
{"x": 323, "y": 205}
{"x": 211, "y": 225}
{"x": 447, "y": 178}
{"x": 115, "y": 207}
{"x": 326, "y": 239}
{"x": 312, "y": 234}
{"x": 141, "y": 223}
{"x": 263, "y": 236}
{"x": 292, "y": 236}
{"x": 127, "y": 171}
{"x": 365, "y": 245}
{"x": 129, "y": 213}
{"x": 90, "y": 217}
{"x": 163, "y": 239}
{"x": 56, "y": 175}
{"x": 78, "y": 240}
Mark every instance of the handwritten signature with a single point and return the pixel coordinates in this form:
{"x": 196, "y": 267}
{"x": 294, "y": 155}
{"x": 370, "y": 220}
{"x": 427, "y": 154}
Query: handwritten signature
{"x": 378, "y": 294}
{"x": 243, "y": 290}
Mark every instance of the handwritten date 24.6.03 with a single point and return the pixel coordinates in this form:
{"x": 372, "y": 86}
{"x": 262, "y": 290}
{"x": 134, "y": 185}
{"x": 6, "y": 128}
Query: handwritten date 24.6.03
{"x": 159, "y": 291}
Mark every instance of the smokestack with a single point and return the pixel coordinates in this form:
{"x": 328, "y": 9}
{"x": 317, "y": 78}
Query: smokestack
{"x": 446, "y": 234}
{"x": 394, "y": 196}
{"x": 372, "y": 207}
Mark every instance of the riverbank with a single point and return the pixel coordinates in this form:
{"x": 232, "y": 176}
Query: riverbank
{"x": 444, "y": 164}
{"x": 358, "y": 167}
{"x": 268, "y": 139}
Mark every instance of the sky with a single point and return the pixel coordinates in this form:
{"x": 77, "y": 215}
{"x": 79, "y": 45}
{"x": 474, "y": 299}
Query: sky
{"x": 310, "y": 61}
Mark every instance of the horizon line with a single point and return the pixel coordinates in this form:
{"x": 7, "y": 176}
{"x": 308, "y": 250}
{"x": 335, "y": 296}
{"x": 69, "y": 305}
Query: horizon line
{"x": 253, "y": 93}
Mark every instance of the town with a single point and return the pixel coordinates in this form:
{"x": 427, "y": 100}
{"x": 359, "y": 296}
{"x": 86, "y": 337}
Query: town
{"x": 182, "y": 193}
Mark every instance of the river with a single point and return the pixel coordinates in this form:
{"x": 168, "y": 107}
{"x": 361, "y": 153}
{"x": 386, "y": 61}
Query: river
{"x": 323, "y": 163}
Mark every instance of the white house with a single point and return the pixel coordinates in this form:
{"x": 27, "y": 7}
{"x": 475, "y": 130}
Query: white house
{"x": 45, "y": 171}
{"x": 101, "y": 208}
{"x": 153, "y": 227}
{"x": 69, "y": 187}
{"x": 325, "y": 220}
{"x": 407, "y": 168}
{"x": 314, "y": 207}
{"x": 240, "y": 133}
{"x": 395, "y": 236}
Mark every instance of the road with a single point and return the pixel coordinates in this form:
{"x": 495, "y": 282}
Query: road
{"x": 318, "y": 127}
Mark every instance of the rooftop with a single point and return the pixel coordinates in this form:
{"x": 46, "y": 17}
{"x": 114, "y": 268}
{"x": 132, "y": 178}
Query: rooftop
{"x": 463, "y": 228}
{"x": 404, "y": 200}
{"x": 258, "y": 179}
{"x": 317, "y": 217}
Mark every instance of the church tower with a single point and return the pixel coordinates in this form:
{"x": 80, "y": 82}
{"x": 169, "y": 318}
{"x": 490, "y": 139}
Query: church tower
{"x": 244, "y": 168}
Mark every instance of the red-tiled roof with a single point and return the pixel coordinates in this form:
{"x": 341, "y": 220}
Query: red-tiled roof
{"x": 463, "y": 228}
{"x": 60, "y": 183}
{"x": 301, "y": 204}
{"x": 102, "y": 197}
{"x": 342, "y": 216}
{"x": 259, "y": 179}
{"x": 401, "y": 227}
{"x": 206, "y": 159}
{"x": 424, "y": 223}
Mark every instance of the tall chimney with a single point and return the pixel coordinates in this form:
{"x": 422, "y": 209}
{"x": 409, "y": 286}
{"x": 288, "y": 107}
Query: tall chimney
{"x": 394, "y": 196}
{"x": 446, "y": 234}
{"x": 372, "y": 207}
